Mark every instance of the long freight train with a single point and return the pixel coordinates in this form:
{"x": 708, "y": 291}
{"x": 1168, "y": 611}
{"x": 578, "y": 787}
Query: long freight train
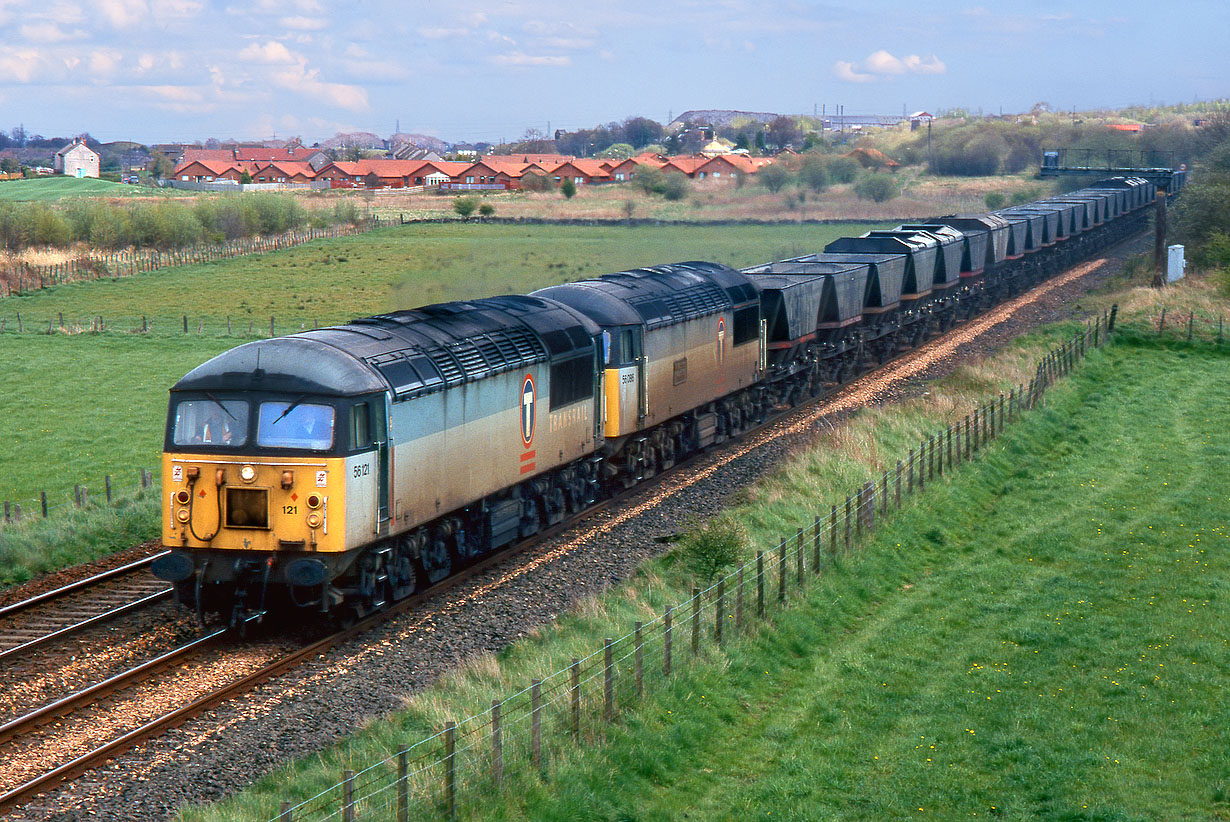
{"x": 340, "y": 469}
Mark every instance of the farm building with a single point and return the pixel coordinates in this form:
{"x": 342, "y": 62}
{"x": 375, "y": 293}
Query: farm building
{"x": 77, "y": 160}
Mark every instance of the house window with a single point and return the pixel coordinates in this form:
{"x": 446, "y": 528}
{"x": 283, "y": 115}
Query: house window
{"x": 619, "y": 176}
{"x": 209, "y": 179}
{"x": 469, "y": 179}
{"x": 184, "y": 178}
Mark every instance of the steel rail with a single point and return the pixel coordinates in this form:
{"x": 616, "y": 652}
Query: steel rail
{"x": 68, "y": 630}
{"x": 79, "y": 585}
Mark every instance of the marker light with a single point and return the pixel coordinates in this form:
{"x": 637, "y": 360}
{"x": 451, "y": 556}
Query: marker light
{"x": 247, "y": 473}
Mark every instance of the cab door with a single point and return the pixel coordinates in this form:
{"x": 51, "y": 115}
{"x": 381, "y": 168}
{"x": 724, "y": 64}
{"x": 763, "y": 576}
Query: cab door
{"x": 380, "y": 429}
{"x": 624, "y": 381}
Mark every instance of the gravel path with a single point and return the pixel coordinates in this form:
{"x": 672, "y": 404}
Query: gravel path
{"x": 321, "y": 702}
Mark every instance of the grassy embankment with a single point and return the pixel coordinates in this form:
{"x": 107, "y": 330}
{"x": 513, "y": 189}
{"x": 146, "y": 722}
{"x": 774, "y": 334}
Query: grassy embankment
{"x": 48, "y": 189}
{"x": 1040, "y": 634}
{"x": 75, "y": 406}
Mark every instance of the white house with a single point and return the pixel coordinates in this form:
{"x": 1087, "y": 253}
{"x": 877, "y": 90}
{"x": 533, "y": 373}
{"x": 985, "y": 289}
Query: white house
{"x": 77, "y": 160}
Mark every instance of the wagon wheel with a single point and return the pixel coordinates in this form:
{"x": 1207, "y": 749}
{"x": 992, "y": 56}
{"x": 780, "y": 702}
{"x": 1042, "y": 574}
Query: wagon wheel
{"x": 436, "y": 560}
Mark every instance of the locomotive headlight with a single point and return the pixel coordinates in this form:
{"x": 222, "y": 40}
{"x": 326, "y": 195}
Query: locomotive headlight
{"x": 247, "y": 473}
{"x": 182, "y": 515}
{"x": 313, "y": 520}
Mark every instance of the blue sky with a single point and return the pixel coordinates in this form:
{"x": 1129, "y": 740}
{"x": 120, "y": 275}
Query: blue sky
{"x": 166, "y": 70}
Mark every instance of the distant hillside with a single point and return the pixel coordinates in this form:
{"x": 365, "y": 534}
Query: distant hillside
{"x": 355, "y": 139}
{"x": 719, "y": 117}
{"x": 420, "y": 140}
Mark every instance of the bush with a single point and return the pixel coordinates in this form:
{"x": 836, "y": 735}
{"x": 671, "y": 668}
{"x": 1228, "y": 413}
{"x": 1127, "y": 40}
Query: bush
{"x": 842, "y": 169}
{"x": 675, "y": 186}
{"x": 486, "y": 209}
{"x": 1025, "y": 195}
{"x": 995, "y": 200}
{"x": 774, "y": 177}
{"x": 813, "y": 174}
{"x": 535, "y": 182}
{"x": 465, "y": 206}
{"x": 877, "y": 187}
{"x": 978, "y": 157}
{"x": 713, "y": 547}
{"x": 650, "y": 180}
{"x": 568, "y": 188}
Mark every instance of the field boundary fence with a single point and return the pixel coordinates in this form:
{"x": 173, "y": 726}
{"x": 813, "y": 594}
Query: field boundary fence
{"x": 21, "y": 278}
{"x": 522, "y": 735}
{"x": 1187, "y": 325}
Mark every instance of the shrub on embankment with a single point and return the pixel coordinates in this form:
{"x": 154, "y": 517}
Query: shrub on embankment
{"x": 164, "y": 225}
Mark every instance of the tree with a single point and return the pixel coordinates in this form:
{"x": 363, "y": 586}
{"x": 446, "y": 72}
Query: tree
{"x": 616, "y": 151}
{"x": 465, "y": 205}
{"x": 245, "y": 178}
{"x": 159, "y": 165}
{"x": 760, "y": 141}
{"x": 568, "y": 188}
{"x": 774, "y": 177}
{"x": 486, "y": 209}
{"x": 741, "y": 141}
{"x": 641, "y": 131}
{"x": 782, "y": 131}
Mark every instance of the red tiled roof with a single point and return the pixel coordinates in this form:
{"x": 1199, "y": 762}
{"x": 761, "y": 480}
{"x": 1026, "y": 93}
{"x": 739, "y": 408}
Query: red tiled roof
{"x": 687, "y": 165}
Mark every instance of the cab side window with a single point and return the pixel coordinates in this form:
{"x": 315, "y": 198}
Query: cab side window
{"x": 360, "y": 427}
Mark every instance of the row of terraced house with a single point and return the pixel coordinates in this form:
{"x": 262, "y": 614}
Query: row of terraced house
{"x": 304, "y": 166}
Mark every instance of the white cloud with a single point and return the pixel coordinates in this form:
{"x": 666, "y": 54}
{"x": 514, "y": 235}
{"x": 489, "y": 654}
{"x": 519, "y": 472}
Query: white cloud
{"x": 518, "y": 58}
{"x": 576, "y": 43}
{"x": 48, "y": 33}
{"x": 307, "y": 82}
{"x": 104, "y": 61}
{"x": 845, "y": 71}
{"x": 22, "y": 65}
{"x": 302, "y": 23}
{"x": 882, "y": 64}
{"x": 443, "y": 32}
{"x": 123, "y": 14}
{"x": 271, "y": 53}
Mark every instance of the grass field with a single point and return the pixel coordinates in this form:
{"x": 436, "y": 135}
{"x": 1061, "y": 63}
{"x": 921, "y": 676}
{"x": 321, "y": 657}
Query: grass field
{"x": 402, "y": 267}
{"x": 1041, "y": 635}
{"x": 61, "y": 188}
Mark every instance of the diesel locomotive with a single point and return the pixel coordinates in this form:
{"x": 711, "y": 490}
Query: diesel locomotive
{"x": 340, "y": 469}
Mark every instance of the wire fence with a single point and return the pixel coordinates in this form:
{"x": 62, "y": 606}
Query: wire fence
{"x": 524, "y": 734}
{"x": 23, "y": 278}
{"x": 1188, "y": 325}
{"x": 46, "y": 506}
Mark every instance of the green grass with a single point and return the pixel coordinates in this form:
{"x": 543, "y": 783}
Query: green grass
{"x": 1040, "y": 635}
{"x": 333, "y": 281}
{"x": 60, "y": 188}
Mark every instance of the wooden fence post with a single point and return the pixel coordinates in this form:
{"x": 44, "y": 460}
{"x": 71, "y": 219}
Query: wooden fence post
{"x": 608, "y": 679}
{"x": 833, "y": 531}
{"x": 107, "y": 480}
{"x": 760, "y": 584}
{"x": 781, "y": 571}
{"x": 638, "y": 661}
{"x": 719, "y": 611}
{"x": 348, "y": 795}
{"x": 43, "y": 499}
{"x": 739, "y": 602}
{"x": 695, "y": 620}
{"x": 815, "y": 548}
{"x": 536, "y": 724}
{"x": 898, "y": 484}
{"x": 910, "y": 472}
{"x": 403, "y": 785}
{"x": 284, "y": 812}
{"x": 497, "y": 745}
{"x": 575, "y": 697}
{"x": 666, "y": 642}
{"x": 450, "y": 769}
{"x": 847, "y": 523}
{"x": 798, "y": 558}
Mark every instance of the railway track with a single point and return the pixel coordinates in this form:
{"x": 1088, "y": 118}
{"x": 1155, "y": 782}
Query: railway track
{"x": 57, "y": 614}
{"x": 16, "y": 729}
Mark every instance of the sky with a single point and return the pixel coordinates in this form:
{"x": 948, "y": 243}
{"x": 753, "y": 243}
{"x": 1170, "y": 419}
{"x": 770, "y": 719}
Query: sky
{"x": 486, "y": 70}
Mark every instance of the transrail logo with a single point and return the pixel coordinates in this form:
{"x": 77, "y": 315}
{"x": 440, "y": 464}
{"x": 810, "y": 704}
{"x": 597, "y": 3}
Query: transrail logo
{"x": 528, "y": 407}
